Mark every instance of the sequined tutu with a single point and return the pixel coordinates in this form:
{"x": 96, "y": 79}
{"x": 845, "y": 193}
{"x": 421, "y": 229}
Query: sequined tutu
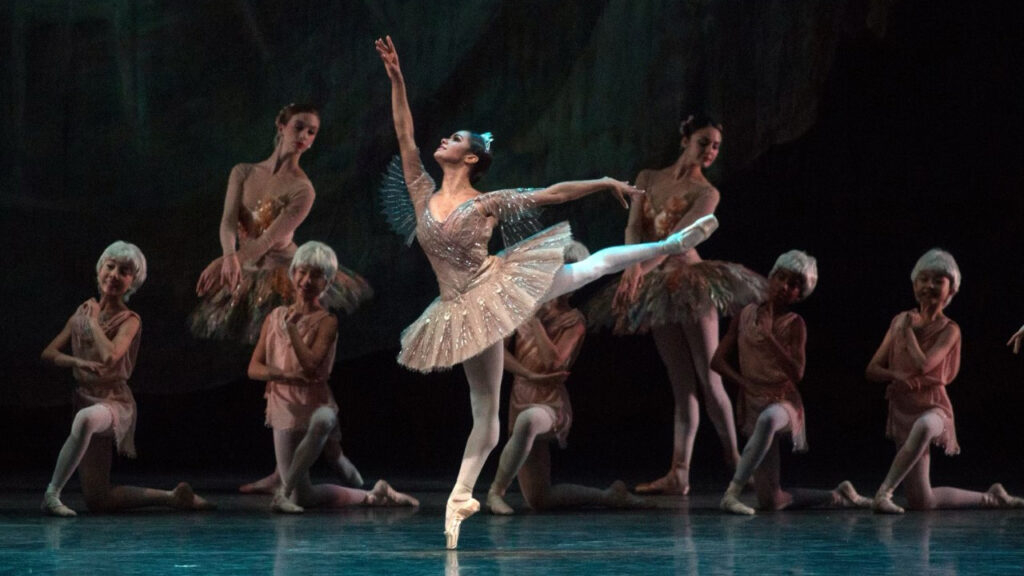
{"x": 677, "y": 291}
{"x": 503, "y": 293}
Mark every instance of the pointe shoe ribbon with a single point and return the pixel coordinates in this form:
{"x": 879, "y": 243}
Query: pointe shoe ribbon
{"x": 455, "y": 513}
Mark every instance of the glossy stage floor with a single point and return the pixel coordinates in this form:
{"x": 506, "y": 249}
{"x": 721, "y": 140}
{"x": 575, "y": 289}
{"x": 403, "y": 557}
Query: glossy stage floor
{"x": 675, "y": 536}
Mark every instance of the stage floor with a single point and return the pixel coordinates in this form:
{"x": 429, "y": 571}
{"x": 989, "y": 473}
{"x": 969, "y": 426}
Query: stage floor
{"x": 676, "y": 536}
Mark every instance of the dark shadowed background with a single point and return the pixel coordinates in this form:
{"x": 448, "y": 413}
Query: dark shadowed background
{"x": 863, "y": 131}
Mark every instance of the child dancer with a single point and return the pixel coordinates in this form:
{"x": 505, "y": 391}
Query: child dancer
{"x": 484, "y": 297}
{"x": 770, "y": 341}
{"x": 104, "y": 337}
{"x": 546, "y": 347}
{"x": 294, "y": 355}
{"x": 918, "y": 358}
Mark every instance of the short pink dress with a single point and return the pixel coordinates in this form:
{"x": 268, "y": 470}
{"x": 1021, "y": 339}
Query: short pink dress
{"x": 551, "y": 396}
{"x": 922, "y": 393}
{"x": 769, "y": 382}
{"x": 684, "y": 287}
{"x": 484, "y": 297}
{"x": 109, "y": 388}
{"x": 290, "y": 407}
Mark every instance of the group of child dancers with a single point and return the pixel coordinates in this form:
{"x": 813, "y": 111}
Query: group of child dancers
{"x": 510, "y": 311}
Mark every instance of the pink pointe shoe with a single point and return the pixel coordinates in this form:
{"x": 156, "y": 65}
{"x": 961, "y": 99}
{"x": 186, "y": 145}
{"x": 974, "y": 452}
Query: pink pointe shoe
{"x": 454, "y": 514}
{"x": 692, "y": 235}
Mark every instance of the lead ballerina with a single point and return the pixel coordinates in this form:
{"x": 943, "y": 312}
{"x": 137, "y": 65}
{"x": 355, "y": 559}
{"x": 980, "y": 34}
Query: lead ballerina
{"x": 484, "y": 298}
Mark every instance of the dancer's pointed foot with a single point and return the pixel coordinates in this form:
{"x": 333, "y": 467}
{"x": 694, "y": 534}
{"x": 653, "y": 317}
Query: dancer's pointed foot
{"x": 617, "y": 495}
{"x": 1002, "y": 499}
{"x": 348, "y": 474}
{"x": 52, "y": 505}
{"x": 849, "y": 497}
{"x": 384, "y": 495}
{"x": 497, "y": 505}
{"x": 692, "y": 235}
{"x": 883, "y": 504}
{"x": 676, "y": 482}
{"x": 282, "y": 504}
{"x": 265, "y": 485}
{"x": 454, "y": 514}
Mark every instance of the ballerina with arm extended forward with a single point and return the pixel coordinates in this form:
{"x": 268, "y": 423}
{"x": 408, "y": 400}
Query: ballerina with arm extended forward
{"x": 485, "y": 297}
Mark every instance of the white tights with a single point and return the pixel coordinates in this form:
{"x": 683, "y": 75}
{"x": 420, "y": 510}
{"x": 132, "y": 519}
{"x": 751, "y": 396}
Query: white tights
{"x": 89, "y": 449}
{"x": 297, "y": 450}
{"x": 912, "y": 465}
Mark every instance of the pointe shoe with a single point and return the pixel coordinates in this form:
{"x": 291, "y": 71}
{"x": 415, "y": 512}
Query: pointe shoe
{"x": 283, "y": 504}
{"x": 52, "y": 506}
{"x": 496, "y": 505}
{"x": 692, "y": 235}
{"x": 454, "y": 514}
{"x": 883, "y": 504}
{"x": 669, "y": 484}
{"x": 384, "y": 495}
{"x": 1002, "y": 498}
{"x": 849, "y": 496}
{"x": 731, "y": 503}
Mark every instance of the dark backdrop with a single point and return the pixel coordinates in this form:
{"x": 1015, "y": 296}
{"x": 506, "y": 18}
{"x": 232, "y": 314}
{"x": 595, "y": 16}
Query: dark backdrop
{"x": 863, "y": 132}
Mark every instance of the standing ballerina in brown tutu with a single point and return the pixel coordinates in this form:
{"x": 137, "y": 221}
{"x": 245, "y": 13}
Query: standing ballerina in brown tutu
{"x": 675, "y": 297}
{"x": 264, "y": 204}
{"x": 484, "y": 298}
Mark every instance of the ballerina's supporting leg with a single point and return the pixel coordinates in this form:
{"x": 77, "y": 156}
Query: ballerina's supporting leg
{"x": 673, "y": 348}
{"x": 483, "y": 372}
{"x": 702, "y": 338}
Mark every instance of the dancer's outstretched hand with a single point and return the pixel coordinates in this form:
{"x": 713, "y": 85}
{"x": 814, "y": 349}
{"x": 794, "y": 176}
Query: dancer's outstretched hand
{"x": 389, "y": 56}
{"x": 623, "y": 190}
{"x": 1016, "y": 339}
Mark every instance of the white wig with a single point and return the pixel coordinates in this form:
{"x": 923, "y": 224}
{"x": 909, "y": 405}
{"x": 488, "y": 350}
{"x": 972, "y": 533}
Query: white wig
{"x": 317, "y": 255}
{"x": 939, "y": 260}
{"x": 575, "y": 252}
{"x": 802, "y": 263}
{"x": 125, "y": 252}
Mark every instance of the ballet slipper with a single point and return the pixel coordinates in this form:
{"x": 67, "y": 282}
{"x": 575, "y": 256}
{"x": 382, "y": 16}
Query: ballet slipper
{"x": 1001, "y": 499}
{"x": 849, "y": 498}
{"x": 496, "y": 504}
{"x": 618, "y": 496}
{"x": 454, "y": 514}
{"x": 52, "y": 506}
{"x": 266, "y": 485}
{"x": 384, "y": 495}
{"x": 692, "y": 235}
{"x": 348, "y": 474}
{"x": 883, "y": 504}
{"x": 282, "y": 504}
{"x": 676, "y": 482}
{"x": 731, "y": 501}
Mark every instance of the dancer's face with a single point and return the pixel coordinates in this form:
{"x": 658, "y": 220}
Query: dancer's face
{"x": 455, "y": 149}
{"x": 785, "y": 287}
{"x": 115, "y": 278}
{"x": 310, "y": 282}
{"x": 702, "y": 146}
{"x": 932, "y": 288}
{"x": 299, "y": 133}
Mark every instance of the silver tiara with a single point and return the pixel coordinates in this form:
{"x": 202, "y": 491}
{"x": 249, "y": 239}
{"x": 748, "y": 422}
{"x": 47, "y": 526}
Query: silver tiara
{"x": 487, "y": 137}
